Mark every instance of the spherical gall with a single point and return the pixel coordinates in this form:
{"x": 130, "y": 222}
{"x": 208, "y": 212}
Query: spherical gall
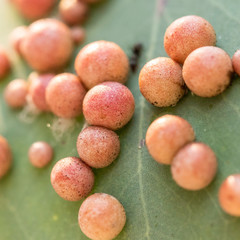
{"x": 101, "y": 217}
{"x": 166, "y": 135}
{"x": 194, "y": 166}
{"x": 64, "y": 95}
{"x": 97, "y": 146}
{"x": 16, "y": 92}
{"x": 236, "y": 62}
{"x": 207, "y": 71}
{"x": 78, "y": 34}
{"x": 109, "y": 105}
{"x": 101, "y": 61}
{"x": 229, "y": 195}
{"x": 73, "y": 11}
{"x": 34, "y": 9}
{"x": 4, "y": 63}
{"x": 40, "y": 154}
{"x": 187, "y": 34}
{"x": 5, "y": 157}
{"x": 37, "y": 89}
{"x": 48, "y": 45}
{"x": 161, "y": 82}
{"x": 17, "y": 36}
{"x": 72, "y": 179}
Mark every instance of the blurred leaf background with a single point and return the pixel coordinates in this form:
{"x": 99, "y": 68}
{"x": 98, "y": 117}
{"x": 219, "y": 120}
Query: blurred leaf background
{"x": 156, "y": 207}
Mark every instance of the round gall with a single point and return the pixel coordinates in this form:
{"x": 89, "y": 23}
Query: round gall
{"x": 109, "y": 105}
{"x": 73, "y": 11}
{"x": 97, "y": 146}
{"x": 48, "y": 45}
{"x": 64, "y": 95}
{"x": 187, "y": 34}
{"x": 72, "y": 179}
{"x": 101, "y": 217}
{"x": 194, "y": 166}
{"x": 166, "y": 135}
{"x": 16, "y": 92}
{"x": 207, "y": 71}
{"x": 229, "y": 195}
{"x": 101, "y": 61}
{"x": 161, "y": 82}
{"x": 37, "y": 89}
{"x": 40, "y": 154}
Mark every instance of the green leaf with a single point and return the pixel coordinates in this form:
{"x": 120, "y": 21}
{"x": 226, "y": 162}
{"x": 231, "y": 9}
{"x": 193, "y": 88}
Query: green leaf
{"x": 156, "y": 207}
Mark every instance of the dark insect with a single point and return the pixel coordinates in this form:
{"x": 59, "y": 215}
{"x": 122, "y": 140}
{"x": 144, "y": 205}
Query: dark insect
{"x": 133, "y": 61}
{"x": 137, "y": 49}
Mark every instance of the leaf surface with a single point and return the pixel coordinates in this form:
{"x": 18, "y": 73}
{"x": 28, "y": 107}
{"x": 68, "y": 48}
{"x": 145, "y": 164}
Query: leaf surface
{"x": 156, "y": 207}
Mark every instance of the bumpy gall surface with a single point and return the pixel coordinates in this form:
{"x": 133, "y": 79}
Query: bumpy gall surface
{"x": 64, "y": 95}
{"x": 166, "y": 135}
{"x": 109, "y": 105}
{"x": 101, "y": 217}
{"x": 97, "y": 146}
{"x": 187, "y": 34}
{"x": 161, "y": 82}
{"x": 207, "y": 71}
{"x": 101, "y": 61}
{"x": 194, "y": 166}
{"x": 48, "y": 45}
{"x": 72, "y": 179}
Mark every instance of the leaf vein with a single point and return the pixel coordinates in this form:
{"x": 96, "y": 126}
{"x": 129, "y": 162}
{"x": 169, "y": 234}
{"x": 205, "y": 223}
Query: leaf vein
{"x": 159, "y": 7}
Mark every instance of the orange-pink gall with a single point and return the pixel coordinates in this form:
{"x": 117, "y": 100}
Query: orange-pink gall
{"x": 4, "y": 63}
{"x": 72, "y": 179}
{"x": 166, "y": 135}
{"x": 16, "y": 92}
{"x": 161, "y": 82}
{"x": 194, "y": 166}
{"x": 236, "y": 62}
{"x": 101, "y": 61}
{"x": 64, "y": 95}
{"x": 5, "y": 157}
{"x": 229, "y": 195}
{"x": 48, "y": 45}
{"x": 101, "y": 217}
{"x": 17, "y": 36}
{"x": 98, "y": 147}
{"x": 187, "y": 34}
{"x": 40, "y": 154}
{"x": 34, "y": 9}
{"x": 109, "y": 105}
{"x": 207, "y": 71}
{"x": 78, "y": 34}
{"x": 37, "y": 89}
{"x": 73, "y": 11}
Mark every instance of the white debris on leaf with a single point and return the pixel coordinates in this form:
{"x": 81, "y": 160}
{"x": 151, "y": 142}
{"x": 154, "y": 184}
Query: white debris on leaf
{"x": 62, "y": 127}
{"x": 29, "y": 112}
